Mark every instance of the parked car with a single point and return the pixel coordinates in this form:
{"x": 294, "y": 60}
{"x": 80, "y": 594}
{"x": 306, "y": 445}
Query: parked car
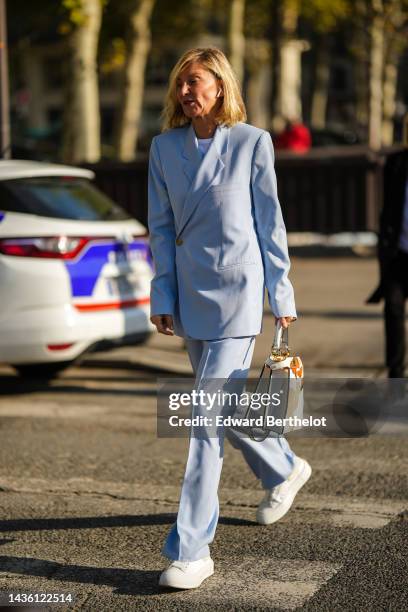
{"x": 75, "y": 268}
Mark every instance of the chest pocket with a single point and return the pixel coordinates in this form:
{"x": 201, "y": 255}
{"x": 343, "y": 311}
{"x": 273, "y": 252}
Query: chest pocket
{"x": 238, "y": 243}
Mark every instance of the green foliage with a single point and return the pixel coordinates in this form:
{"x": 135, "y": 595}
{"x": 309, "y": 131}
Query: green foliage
{"x": 325, "y": 15}
{"x": 75, "y": 14}
{"x": 114, "y": 56}
{"x": 173, "y": 20}
{"x": 258, "y": 18}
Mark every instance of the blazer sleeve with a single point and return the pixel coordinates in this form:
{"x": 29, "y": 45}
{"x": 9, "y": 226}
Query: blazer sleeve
{"x": 163, "y": 292}
{"x": 271, "y": 229}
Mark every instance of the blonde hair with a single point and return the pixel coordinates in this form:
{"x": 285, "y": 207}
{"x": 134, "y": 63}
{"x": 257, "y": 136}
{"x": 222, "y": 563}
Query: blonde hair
{"x": 231, "y": 111}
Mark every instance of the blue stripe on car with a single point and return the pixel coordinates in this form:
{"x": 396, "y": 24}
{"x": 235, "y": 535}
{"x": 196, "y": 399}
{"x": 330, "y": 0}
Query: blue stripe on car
{"x": 84, "y": 272}
{"x": 145, "y": 246}
{"x": 2, "y": 215}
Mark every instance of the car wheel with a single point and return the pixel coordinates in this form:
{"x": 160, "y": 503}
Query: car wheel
{"x": 41, "y": 371}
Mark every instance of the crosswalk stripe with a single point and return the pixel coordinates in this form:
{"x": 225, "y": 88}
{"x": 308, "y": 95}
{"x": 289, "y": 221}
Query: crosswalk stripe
{"x": 268, "y": 583}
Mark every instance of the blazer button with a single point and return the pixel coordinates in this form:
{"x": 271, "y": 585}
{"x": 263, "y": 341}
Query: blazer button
{"x": 179, "y": 241}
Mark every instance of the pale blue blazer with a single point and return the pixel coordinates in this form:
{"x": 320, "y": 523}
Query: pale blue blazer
{"x": 216, "y": 232}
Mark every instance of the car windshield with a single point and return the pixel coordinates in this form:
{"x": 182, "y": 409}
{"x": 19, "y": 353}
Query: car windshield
{"x": 59, "y": 197}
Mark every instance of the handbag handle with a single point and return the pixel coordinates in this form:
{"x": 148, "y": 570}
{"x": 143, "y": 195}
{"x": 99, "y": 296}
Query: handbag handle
{"x": 277, "y": 340}
{"x": 280, "y": 347}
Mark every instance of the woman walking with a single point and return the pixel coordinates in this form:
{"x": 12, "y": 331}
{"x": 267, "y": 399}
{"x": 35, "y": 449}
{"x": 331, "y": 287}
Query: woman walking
{"x": 217, "y": 238}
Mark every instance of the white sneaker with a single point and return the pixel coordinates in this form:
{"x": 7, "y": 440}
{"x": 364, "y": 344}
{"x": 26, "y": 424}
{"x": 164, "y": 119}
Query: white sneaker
{"x": 187, "y": 574}
{"x": 277, "y": 501}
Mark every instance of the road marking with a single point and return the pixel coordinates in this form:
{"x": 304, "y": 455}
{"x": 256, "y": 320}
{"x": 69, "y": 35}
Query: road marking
{"x": 267, "y": 583}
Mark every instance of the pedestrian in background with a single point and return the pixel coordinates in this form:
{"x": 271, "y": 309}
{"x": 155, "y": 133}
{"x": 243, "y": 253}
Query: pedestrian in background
{"x": 295, "y": 137}
{"x": 217, "y": 238}
{"x": 393, "y": 260}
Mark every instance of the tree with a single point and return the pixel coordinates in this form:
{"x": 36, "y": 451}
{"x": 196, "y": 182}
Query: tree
{"x": 325, "y": 17}
{"x": 396, "y": 30}
{"x": 137, "y": 45}
{"x": 127, "y": 32}
{"x": 258, "y": 62}
{"x": 273, "y": 61}
{"x": 384, "y": 24}
{"x": 81, "y": 138}
{"x": 377, "y": 50}
{"x": 236, "y": 39}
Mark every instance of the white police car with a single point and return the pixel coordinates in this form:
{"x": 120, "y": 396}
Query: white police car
{"x": 75, "y": 269}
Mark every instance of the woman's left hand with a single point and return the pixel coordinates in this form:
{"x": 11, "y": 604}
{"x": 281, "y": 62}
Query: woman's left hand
{"x": 285, "y": 321}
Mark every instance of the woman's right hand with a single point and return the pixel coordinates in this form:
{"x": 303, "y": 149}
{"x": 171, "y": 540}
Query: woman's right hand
{"x": 163, "y": 323}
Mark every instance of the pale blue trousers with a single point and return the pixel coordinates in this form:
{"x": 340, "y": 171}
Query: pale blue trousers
{"x": 271, "y": 460}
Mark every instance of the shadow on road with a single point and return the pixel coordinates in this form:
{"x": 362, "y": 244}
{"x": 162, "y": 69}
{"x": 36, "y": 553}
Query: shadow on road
{"x": 97, "y": 522}
{"x": 12, "y": 385}
{"x": 334, "y": 314}
{"x": 125, "y": 581}
{"x": 70, "y": 380}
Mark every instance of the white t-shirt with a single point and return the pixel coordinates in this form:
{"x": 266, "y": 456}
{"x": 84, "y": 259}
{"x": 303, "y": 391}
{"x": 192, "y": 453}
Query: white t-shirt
{"x": 403, "y": 240}
{"x": 203, "y": 145}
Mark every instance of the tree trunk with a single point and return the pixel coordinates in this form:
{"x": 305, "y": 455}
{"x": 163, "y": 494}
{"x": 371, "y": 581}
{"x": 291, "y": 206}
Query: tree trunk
{"x": 389, "y": 97}
{"x": 138, "y": 44}
{"x": 290, "y": 101}
{"x": 276, "y": 35}
{"x": 81, "y": 112}
{"x": 236, "y": 39}
{"x": 33, "y": 70}
{"x": 287, "y": 98}
{"x": 257, "y": 88}
{"x": 362, "y": 96}
{"x": 376, "y": 81}
{"x": 360, "y": 46}
{"x": 321, "y": 85}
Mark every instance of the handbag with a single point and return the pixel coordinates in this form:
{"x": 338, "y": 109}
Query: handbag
{"x": 281, "y": 385}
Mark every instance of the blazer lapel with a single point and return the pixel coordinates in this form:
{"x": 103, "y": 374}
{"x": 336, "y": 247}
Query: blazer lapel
{"x": 202, "y": 173}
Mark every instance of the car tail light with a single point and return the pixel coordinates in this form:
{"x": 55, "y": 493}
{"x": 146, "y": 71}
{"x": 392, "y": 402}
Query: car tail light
{"x": 55, "y": 247}
{"x": 60, "y": 347}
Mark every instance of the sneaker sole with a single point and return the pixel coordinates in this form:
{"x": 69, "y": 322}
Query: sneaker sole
{"x": 179, "y": 584}
{"x": 301, "y": 480}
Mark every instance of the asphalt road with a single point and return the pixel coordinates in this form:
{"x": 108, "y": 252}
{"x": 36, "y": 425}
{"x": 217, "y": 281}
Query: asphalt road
{"x": 88, "y": 491}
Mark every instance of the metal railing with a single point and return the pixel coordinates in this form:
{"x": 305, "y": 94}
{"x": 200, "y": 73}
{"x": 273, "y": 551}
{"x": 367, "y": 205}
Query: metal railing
{"x": 328, "y": 190}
